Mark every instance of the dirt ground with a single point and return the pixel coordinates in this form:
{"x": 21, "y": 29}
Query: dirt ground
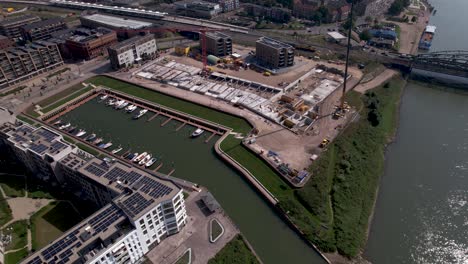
{"x": 386, "y": 75}
{"x": 411, "y": 33}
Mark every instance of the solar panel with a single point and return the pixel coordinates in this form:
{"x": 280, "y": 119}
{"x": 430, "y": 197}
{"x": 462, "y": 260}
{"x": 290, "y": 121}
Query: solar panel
{"x": 47, "y": 135}
{"x": 115, "y": 174}
{"x": 39, "y": 148}
{"x": 26, "y": 129}
{"x": 132, "y": 177}
{"x": 135, "y": 204}
{"x": 36, "y": 260}
{"x": 19, "y": 138}
{"x": 58, "y": 145}
{"x": 58, "y": 246}
{"x": 154, "y": 188}
{"x": 95, "y": 169}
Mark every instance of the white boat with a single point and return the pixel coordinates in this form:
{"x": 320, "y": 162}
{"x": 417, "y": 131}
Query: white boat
{"x": 197, "y": 132}
{"x": 122, "y": 105}
{"x": 107, "y": 145}
{"x": 140, "y": 114}
{"x": 150, "y": 162}
{"x": 139, "y": 157}
{"x": 144, "y": 160}
{"x": 81, "y": 132}
{"x": 111, "y": 102}
{"x": 118, "y": 104}
{"x": 131, "y": 108}
{"x": 117, "y": 150}
{"x": 64, "y": 126}
{"x": 58, "y": 122}
{"x": 91, "y": 137}
{"x": 104, "y": 97}
{"x": 135, "y": 155}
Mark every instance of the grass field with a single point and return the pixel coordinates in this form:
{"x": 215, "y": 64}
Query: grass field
{"x": 25, "y": 119}
{"x": 16, "y": 257}
{"x": 19, "y": 234}
{"x": 13, "y": 186}
{"x": 216, "y": 229}
{"x": 52, "y": 221}
{"x": 236, "y": 251}
{"x": 66, "y": 99}
{"x": 87, "y": 149}
{"x": 5, "y": 211}
{"x": 184, "y": 259}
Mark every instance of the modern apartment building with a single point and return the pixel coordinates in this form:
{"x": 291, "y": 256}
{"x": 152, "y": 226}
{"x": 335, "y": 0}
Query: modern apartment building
{"x": 42, "y": 29}
{"x": 274, "y": 54}
{"x": 132, "y": 50}
{"x": 124, "y": 27}
{"x": 10, "y": 27}
{"x": 227, "y": 5}
{"x": 218, "y": 44}
{"x": 138, "y": 211}
{"x": 20, "y": 63}
{"x": 86, "y": 43}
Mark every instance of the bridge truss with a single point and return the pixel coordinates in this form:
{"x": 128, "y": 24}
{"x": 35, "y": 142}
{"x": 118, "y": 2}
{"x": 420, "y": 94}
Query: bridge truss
{"x": 449, "y": 60}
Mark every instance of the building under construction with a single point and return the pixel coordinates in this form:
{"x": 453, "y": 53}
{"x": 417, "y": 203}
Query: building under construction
{"x": 218, "y": 44}
{"x": 10, "y": 27}
{"x": 274, "y": 54}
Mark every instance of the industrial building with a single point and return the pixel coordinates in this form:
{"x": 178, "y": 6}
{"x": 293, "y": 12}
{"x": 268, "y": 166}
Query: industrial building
{"x": 132, "y": 50}
{"x": 218, "y": 44}
{"x": 125, "y": 28}
{"x": 42, "y": 29}
{"x": 84, "y": 43}
{"x": 198, "y": 9}
{"x": 10, "y": 27}
{"x": 274, "y": 54}
{"x": 139, "y": 210}
{"x": 20, "y": 63}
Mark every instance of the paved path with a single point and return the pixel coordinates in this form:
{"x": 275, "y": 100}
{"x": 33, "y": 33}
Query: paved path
{"x": 385, "y": 76}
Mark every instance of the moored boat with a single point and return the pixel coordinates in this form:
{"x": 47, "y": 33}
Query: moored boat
{"x": 133, "y": 156}
{"x": 144, "y": 160}
{"x": 140, "y": 114}
{"x": 131, "y": 108}
{"x": 81, "y": 133}
{"x": 122, "y": 105}
{"x": 104, "y": 97}
{"x": 62, "y": 127}
{"x": 97, "y": 141}
{"x": 106, "y": 146}
{"x": 58, "y": 122}
{"x": 90, "y": 137}
{"x": 197, "y": 132}
{"x": 139, "y": 157}
{"x": 117, "y": 150}
{"x": 111, "y": 102}
{"x": 150, "y": 162}
{"x": 71, "y": 130}
{"x": 118, "y": 103}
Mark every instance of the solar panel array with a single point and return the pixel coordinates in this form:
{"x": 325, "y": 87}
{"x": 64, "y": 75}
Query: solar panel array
{"x": 18, "y": 138}
{"x": 36, "y": 260}
{"x": 60, "y": 245}
{"x": 135, "y": 204}
{"x": 47, "y": 135}
{"x": 26, "y": 129}
{"x": 96, "y": 169}
{"x": 114, "y": 174}
{"x": 39, "y": 148}
{"x": 154, "y": 188}
{"x": 58, "y": 145}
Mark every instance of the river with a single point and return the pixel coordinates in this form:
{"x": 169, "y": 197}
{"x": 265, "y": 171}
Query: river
{"x": 421, "y": 215}
{"x": 193, "y": 160}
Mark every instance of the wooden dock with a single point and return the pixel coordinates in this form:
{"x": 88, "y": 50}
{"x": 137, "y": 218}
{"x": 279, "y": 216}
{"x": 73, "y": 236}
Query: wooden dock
{"x": 167, "y": 121}
{"x": 158, "y": 167}
{"x": 171, "y": 172}
{"x": 210, "y": 137}
{"x": 69, "y": 108}
{"x": 153, "y": 117}
{"x": 181, "y": 126}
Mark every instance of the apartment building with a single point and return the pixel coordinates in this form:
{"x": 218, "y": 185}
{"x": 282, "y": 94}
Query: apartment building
{"x": 85, "y": 43}
{"x": 10, "y": 27}
{"x": 42, "y": 29}
{"x": 218, "y": 44}
{"x": 21, "y": 63}
{"x": 124, "y": 27}
{"x": 198, "y": 9}
{"x": 132, "y": 50}
{"x": 227, "y": 5}
{"x": 138, "y": 211}
{"x": 277, "y": 14}
{"x": 274, "y": 54}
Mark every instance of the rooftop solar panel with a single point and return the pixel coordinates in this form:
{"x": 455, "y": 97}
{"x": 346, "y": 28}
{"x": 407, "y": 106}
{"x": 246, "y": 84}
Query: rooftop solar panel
{"x": 47, "y": 135}
{"x": 115, "y": 174}
{"x": 38, "y": 148}
{"x": 58, "y": 145}
{"x": 135, "y": 204}
{"x": 95, "y": 169}
{"x": 36, "y": 260}
{"x": 154, "y": 188}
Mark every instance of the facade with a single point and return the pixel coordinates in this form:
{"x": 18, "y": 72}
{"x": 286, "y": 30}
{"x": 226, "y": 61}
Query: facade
{"x": 274, "y": 54}
{"x": 305, "y": 8}
{"x": 5, "y": 42}
{"x": 138, "y": 210}
{"x": 126, "y": 28}
{"x": 85, "y": 43}
{"x": 132, "y": 50}
{"x": 198, "y": 9}
{"x": 277, "y": 14}
{"x": 10, "y": 27}
{"x": 218, "y": 44}
{"x": 42, "y": 29}
{"x": 227, "y": 5}
{"x": 20, "y": 63}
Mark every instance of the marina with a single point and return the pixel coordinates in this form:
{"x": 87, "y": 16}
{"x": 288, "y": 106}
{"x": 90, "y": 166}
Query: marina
{"x": 179, "y": 155}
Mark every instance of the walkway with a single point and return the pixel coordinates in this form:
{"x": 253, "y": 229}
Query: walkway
{"x": 385, "y": 76}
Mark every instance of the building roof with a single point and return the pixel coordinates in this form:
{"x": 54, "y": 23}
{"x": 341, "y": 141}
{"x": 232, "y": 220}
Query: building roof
{"x": 16, "y": 19}
{"x": 83, "y": 34}
{"x": 128, "y": 43}
{"x": 43, "y": 23}
{"x": 382, "y": 33}
{"x": 273, "y": 43}
{"x": 118, "y": 22}
{"x": 216, "y": 34}
{"x": 430, "y": 29}
{"x": 336, "y": 35}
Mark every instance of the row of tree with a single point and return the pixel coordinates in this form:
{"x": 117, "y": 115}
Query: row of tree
{"x": 398, "y": 6}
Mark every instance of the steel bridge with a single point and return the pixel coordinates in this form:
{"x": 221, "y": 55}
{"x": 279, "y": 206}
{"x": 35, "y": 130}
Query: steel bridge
{"x": 456, "y": 60}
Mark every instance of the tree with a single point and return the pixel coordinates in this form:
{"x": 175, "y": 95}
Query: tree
{"x": 365, "y": 35}
{"x": 349, "y": 23}
{"x": 374, "y": 117}
{"x": 368, "y": 19}
{"x": 414, "y": 19}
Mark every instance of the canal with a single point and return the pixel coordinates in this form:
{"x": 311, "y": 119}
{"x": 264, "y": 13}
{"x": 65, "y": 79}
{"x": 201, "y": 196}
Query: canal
{"x": 196, "y": 161}
{"x": 421, "y": 214}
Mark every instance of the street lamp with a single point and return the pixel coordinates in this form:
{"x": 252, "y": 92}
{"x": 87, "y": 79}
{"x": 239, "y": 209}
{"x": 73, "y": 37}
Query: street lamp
{"x": 350, "y": 21}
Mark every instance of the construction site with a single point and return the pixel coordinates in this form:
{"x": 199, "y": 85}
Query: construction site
{"x": 298, "y": 104}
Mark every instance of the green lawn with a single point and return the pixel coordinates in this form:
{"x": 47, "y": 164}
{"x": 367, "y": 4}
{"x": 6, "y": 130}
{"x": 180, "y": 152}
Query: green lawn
{"x": 13, "y": 186}
{"x": 25, "y": 119}
{"x": 51, "y": 222}
{"x": 16, "y": 257}
{"x": 19, "y": 234}
{"x": 66, "y": 99}
{"x": 14, "y": 91}
{"x": 88, "y": 149}
{"x": 184, "y": 259}
{"x": 216, "y": 229}
{"x": 238, "y": 124}
{"x": 236, "y": 251}
{"x": 5, "y": 211}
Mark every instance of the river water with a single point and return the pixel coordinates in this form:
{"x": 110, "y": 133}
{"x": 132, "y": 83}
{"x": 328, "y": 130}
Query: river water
{"x": 421, "y": 213}
{"x": 195, "y": 161}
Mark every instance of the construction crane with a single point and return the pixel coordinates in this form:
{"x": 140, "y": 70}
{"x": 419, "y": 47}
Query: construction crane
{"x": 201, "y": 31}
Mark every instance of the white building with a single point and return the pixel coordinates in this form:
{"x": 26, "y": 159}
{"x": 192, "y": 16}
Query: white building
{"x": 130, "y": 51}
